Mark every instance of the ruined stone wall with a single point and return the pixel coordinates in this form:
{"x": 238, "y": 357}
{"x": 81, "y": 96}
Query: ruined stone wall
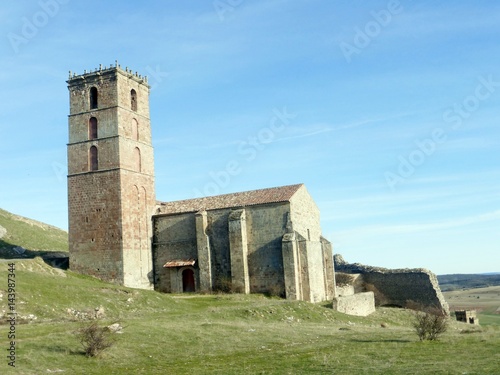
{"x": 398, "y": 286}
{"x": 401, "y": 287}
{"x": 360, "y": 304}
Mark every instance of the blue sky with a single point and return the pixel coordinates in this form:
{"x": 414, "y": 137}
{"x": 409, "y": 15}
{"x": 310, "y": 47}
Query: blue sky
{"x": 387, "y": 110}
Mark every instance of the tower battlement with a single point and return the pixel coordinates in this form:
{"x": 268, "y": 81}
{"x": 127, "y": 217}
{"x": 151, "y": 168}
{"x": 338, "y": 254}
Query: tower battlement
{"x": 129, "y": 73}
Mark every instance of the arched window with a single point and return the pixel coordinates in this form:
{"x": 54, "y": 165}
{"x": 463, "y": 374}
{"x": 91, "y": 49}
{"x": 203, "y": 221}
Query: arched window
{"x": 135, "y": 130}
{"x": 137, "y": 159}
{"x": 92, "y": 128}
{"x": 93, "y": 159}
{"x": 133, "y": 100}
{"x": 93, "y": 98}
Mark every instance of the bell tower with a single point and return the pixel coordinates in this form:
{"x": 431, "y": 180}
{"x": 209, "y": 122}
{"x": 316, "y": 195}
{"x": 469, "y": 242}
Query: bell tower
{"x": 111, "y": 192}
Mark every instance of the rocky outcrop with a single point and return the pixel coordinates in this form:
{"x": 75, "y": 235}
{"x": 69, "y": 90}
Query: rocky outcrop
{"x": 398, "y": 287}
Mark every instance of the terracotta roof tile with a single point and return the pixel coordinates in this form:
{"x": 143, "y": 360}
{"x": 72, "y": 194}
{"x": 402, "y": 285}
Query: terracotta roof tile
{"x": 242, "y": 199}
{"x": 180, "y": 263}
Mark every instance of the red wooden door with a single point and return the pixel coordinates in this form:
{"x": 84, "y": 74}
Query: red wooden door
{"x": 188, "y": 280}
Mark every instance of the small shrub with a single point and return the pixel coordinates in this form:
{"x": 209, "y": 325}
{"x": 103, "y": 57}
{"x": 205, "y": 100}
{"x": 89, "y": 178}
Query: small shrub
{"x": 342, "y": 279}
{"x": 94, "y": 339}
{"x": 275, "y": 291}
{"x": 224, "y": 284}
{"x": 430, "y": 323}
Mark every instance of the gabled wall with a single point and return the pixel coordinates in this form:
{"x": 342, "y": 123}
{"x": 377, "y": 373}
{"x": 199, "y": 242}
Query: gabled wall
{"x": 305, "y": 215}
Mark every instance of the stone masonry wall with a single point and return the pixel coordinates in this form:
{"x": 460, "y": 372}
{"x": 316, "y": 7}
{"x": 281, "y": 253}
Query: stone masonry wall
{"x": 95, "y": 226}
{"x": 217, "y": 231}
{"x": 174, "y": 239}
{"x": 265, "y": 227}
{"x": 398, "y": 287}
{"x": 316, "y": 262}
{"x": 138, "y": 203}
{"x": 328, "y": 268}
{"x": 360, "y": 304}
{"x": 315, "y": 272}
{"x": 305, "y": 215}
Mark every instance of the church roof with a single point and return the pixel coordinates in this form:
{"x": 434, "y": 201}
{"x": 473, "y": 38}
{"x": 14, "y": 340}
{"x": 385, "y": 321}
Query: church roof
{"x": 241, "y": 199}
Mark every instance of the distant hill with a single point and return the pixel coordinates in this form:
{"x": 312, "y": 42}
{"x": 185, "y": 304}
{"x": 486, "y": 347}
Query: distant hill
{"x": 21, "y": 237}
{"x": 466, "y": 281}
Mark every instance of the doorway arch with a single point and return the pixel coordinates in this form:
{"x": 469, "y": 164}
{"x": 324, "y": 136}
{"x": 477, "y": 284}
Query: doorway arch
{"x": 188, "y": 283}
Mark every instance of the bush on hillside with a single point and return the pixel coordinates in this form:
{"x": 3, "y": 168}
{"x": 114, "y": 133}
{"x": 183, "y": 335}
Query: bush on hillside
{"x": 95, "y": 339}
{"x": 430, "y": 323}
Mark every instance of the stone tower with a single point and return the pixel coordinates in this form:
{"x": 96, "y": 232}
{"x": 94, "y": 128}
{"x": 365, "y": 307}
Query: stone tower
{"x": 111, "y": 194}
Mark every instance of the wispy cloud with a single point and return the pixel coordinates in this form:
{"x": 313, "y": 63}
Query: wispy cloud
{"x": 419, "y": 227}
{"x": 470, "y": 144}
{"x": 297, "y": 132}
{"x": 423, "y": 21}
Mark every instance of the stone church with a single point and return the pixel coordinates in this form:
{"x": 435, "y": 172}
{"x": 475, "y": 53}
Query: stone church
{"x": 260, "y": 241}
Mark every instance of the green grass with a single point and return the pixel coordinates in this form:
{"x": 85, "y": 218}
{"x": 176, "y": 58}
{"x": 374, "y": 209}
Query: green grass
{"x": 486, "y": 301}
{"x": 30, "y": 234}
{"x": 224, "y": 334}
{"x": 489, "y": 319}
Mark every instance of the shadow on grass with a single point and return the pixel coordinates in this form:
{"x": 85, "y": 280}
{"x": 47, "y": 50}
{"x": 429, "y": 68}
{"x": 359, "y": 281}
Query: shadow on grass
{"x": 381, "y": 340}
{"x": 57, "y": 259}
{"x": 65, "y": 350}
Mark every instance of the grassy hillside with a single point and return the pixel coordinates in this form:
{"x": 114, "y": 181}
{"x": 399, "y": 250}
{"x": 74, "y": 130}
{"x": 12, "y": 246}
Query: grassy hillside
{"x": 222, "y": 334}
{"x": 461, "y": 281}
{"x": 29, "y": 234}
